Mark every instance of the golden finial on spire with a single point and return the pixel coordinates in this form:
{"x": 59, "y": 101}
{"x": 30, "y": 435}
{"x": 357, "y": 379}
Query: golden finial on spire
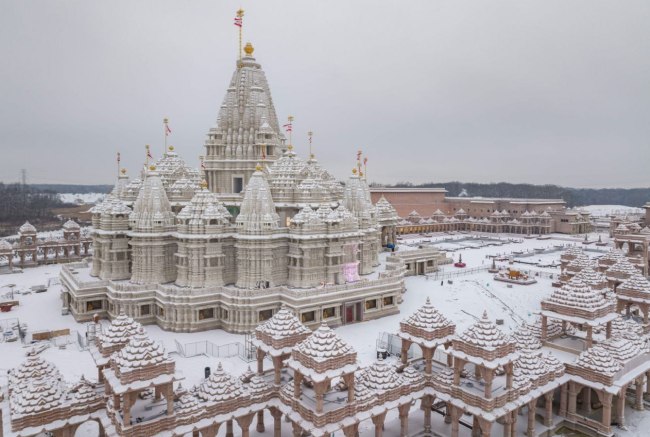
{"x": 123, "y": 171}
{"x": 170, "y": 148}
{"x": 152, "y": 167}
{"x": 204, "y": 184}
{"x": 258, "y": 167}
{"x": 249, "y": 49}
{"x": 354, "y": 171}
{"x": 290, "y": 147}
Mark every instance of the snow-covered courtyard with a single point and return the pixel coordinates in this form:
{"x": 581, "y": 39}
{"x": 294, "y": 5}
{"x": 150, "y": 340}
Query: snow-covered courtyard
{"x": 460, "y": 294}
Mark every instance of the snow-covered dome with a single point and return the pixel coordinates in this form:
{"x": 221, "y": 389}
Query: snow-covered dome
{"x": 485, "y": 335}
{"x": 382, "y": 377}
{"x": 427, "y": 323}
{"x": 203, "y": 211}
{"x": 592, "y": 278}
{"x": 27, "y": 228}
{"x": 38, "y": 396}
{"x": 34, "y": 367}
{"x": 636, "y": 285}
{"x": 220, "y": 387}
{"x": 188, "y": 405}
{"x": 5, "y": 245}
{"x": 85, "y": 393}
{"x": 325, "y": 345}
{"x": 152, "y": 211}
{"x": 599, "y": 360}
{"x": 356, "y": 200}
{"x": 140, "y": 352}
{"x": 171, "y": 168}
{"x": 532, "y": 365}
{"x": 577, "y": 295}
{"x": 526, "y": 340}
{"x": 283, "y": 325}
{"x": 71, "y": 225}
{"x": 120, "y": 332}
{"x": 623, "y": 269}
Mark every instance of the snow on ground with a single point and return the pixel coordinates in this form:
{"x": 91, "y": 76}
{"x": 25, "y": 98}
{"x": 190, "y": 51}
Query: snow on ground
{"x": 605, "y": 210}
{"x": 81, "y": 198}
{"x": 460, "y": 301}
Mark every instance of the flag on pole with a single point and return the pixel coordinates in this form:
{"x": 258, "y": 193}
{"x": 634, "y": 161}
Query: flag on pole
{"x": 365, "y": 161}
{"x": 118, "y": 157}
{"x": 238, "y": 20}
{"x": 148, "y": 152}
{"x": 167, "y": 129}
{"x": 288, "y": 127}
{"x": 202, "y": 163}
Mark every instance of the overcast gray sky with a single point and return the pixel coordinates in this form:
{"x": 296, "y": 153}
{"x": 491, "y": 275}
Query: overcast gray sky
{"x": 552, "y": 91}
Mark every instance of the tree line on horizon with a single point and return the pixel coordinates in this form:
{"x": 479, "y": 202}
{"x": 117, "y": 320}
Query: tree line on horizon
{"x": 635, "y": 197}
{"x": 19, "y": 203}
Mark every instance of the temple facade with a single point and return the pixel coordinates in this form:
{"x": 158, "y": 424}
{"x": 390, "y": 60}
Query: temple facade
{"x": 226, "y": 246}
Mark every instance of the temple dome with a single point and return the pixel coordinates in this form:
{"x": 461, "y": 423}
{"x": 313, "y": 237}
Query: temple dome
{"x": 257, "y": 214}
{"x": 152, "y": 211}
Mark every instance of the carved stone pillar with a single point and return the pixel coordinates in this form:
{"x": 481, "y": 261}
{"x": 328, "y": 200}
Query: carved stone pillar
{"x": 573, "y": 400}
{"x": 351, "y": 430}
{"x": 590, "y": 337}
{"x": 448, "y": 413}
{"x": 297, "y": 430}
{"x": 260, "y": 361}
{"x": 260, "y": 421}
{"x": 586, "y": 400}
{"x": 544, "y": 328}
{"x": 455, "y": 418}
{"x": 277, "y": 422}
{"x": 620, "y": 407}
{"x": 404, "y": 419}
{"x": 489, "y": 376}
{"x": 426, "y": 406}
{"x": 486, "y": 427}
{"x": 638, "y": 387}
{"x": 548, "y": 404}
{"x": 532, "y": 407}
{"x": 476, "y": 427}
{"x": 244, "y": 423}
{"x": 606, "y": 400}
{"x": 564, "y": 392}
{"x": 277, "y": 370}
{"x": 378, "y": 421}
{"x": 406, "y": 345}
{"x": 349, "y": 382}
{"x": 427, "y": 355}
{"x": 229, "y": 430}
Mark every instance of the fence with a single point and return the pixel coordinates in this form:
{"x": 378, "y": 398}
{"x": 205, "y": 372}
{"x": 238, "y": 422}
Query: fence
{"x": 445, "y": 274}
{"x": 210, "y": 349}
{"x": 392, "y": 344}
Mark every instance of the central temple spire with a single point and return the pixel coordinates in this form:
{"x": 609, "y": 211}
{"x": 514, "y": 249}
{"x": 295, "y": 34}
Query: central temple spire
{"x": 246, "y": 129}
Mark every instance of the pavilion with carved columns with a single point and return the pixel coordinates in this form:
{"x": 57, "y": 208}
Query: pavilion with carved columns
{"x": 315, "y": 362}
{"x": 580, "y": 305}
{"x": 485, "y": 347}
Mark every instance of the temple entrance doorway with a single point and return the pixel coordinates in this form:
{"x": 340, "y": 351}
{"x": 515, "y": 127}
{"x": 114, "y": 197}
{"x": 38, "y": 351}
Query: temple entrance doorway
{"x": 352, "y": 312}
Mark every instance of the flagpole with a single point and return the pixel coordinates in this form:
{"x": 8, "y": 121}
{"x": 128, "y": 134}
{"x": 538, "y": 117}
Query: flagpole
{"x": 290, "y": 118}
{"x": 165, "y": 120}
{"x": 118, "y": 164}
{"x": 310, "y": 134}
{"x": 240, "y": 15}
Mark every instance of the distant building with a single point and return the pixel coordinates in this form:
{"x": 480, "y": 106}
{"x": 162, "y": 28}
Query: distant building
{"x": 430, "y": 210}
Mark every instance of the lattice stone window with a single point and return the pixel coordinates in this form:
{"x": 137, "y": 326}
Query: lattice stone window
{"x": 329, "y": 312}
{"x": 94, "y": 305}
{"x": 206, "y": 313}
{"x": 265, "y": 315}
{"x": 309, "y": 316}
{"x": 389, "y": 300}
{"x": 371, "y": 304}
{"x": 145, "y": 310}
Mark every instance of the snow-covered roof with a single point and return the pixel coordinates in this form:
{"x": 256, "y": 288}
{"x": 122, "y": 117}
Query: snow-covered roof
{"x": 427, "y": 324}
{"x": 140, "y": 352}
{"x": 636, "y": 286}
{"x": 324, "y": 344}
{"x": 120, "y": 331}
{"x": 34, "y": 367}
{"x": 71, "y": 225}
{"x": 27, "y": 228}
{"x": 592, "y": 278}
{"x": 220, "y": 387}
{"x": 5, "y": 245}
{"x": 576, "y": 297}
{"x": 38, "y": 396}
{"x": 152, "y": 211}
{"x": 599, "y": 360}
{"x": 485, "y": 334}
{"x": 622, "y": 269}
{"x": 381, "y": 376}
{"x": 283, "y": 324}
{"x": 526, "y": 340}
